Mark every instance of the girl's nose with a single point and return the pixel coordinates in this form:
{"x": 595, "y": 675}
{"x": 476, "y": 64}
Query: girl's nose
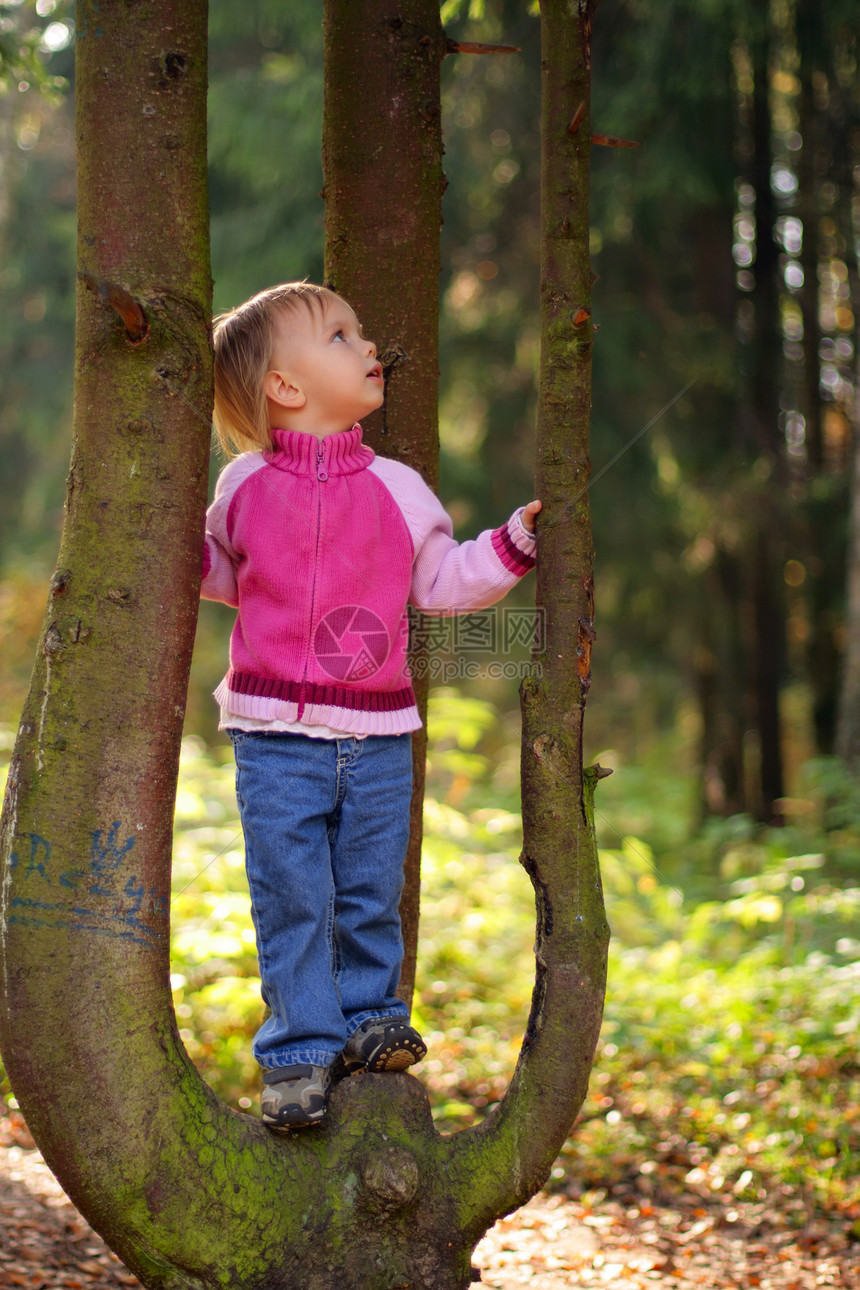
{"x": 371, "y": 349}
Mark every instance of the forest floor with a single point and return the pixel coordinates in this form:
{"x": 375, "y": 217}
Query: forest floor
{"x": 552, "y": 1243}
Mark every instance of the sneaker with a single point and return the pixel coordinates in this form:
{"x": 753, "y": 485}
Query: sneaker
{"x": 384, "y": 1044}
{"x": 294, "y": 1096}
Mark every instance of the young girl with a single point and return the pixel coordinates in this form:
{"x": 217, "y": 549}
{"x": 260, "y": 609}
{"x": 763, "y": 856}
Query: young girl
{"x": 320, "y": 544}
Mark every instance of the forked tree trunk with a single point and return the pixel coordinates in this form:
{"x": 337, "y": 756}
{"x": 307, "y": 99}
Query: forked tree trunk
{"x": 192, "y": 1195}
{"x": 382, "y": 167}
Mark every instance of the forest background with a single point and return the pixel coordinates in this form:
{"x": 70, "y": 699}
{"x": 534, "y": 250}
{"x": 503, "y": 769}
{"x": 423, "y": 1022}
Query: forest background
{"x": 725, "y": 694}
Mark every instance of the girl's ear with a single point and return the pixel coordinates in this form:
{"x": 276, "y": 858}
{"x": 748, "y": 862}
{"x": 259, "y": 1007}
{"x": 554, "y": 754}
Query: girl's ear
{"x": 278, "y": 387}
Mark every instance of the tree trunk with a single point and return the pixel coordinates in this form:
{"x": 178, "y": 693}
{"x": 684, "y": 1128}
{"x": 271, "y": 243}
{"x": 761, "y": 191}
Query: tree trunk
{"x": 718, "y": 670}
{"x": 768, "y": 617}
{"x": 382, "y": 167}
{"x": 808, "y": 37}
{"x": 848, "y": 724}
{"x": 559, "y": 848}
{"x": 847, "y": 743}
{"x": 192, "y": 1195}
{"x": 823, "y": 510}
{"x": 768, "y": 623}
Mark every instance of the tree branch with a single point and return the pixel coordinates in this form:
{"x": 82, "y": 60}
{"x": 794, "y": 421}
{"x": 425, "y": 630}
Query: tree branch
{"x": 473, "y": 47}
{"x": 612, "y": 141}
{"x": 605, "y": 140}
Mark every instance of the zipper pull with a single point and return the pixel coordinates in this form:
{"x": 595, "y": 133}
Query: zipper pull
{"x": 322, "y": 473}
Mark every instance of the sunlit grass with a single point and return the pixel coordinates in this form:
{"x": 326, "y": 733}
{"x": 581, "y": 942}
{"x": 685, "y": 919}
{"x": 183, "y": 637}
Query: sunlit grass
{"x": 729, "y": 1058}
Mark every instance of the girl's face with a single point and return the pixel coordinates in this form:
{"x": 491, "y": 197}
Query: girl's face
{"x": 324, "y": 374}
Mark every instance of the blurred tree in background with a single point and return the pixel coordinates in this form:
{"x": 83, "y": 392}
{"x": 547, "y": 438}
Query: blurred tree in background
{"x": 725, "y": 367}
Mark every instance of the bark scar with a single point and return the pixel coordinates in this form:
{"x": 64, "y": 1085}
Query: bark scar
{"x": 576, "y": 119}
{"x": 392, "y": 357}
{"x": 585, "y": 638}
{"x": 113, "y": 296}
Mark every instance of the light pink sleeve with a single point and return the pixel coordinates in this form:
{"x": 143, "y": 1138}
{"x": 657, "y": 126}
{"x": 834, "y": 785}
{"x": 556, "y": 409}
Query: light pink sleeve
{"x": 447, "y": 576}
{"x": 219, "y": 555}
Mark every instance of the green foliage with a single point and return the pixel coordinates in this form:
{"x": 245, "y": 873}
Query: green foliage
{"x": 728, "y": 1060}
{"x": 265, "y": 113}
{"x": 29, "y": 34}
{"x": 451, "y": 9}
{"x": 213, "y": 955}
{"x": 265, "y": 125}
{"x": 489, "y": 320}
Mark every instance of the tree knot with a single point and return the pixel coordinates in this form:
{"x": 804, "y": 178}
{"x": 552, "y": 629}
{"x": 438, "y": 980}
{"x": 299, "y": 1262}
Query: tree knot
{"x": 131, "y": 311}
{"x": 393, "y": 356}
{"x": 53, "y": 641}
{"x": 389, "y": 1179}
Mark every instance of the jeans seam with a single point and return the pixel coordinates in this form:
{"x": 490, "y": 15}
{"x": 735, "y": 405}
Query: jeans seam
{"x": 335, "y": 955}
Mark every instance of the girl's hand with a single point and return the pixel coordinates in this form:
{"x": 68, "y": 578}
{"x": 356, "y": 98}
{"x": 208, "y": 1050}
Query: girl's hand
{"x": 528, "y": 516}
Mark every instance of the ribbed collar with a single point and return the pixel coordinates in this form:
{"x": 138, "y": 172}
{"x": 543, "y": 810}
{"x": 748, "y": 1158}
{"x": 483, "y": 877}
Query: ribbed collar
{"x": 304, "y": 454}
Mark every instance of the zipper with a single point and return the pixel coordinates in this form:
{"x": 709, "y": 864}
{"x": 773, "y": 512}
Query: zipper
{"x": 322, "y": 473}
{"x": 322, "y": 476}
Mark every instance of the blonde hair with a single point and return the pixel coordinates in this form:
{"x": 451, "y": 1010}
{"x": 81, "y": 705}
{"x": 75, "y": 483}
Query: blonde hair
{"x": 244, "y": 340}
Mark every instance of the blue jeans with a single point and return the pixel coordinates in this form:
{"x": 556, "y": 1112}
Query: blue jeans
{"x": 326, "y": 824}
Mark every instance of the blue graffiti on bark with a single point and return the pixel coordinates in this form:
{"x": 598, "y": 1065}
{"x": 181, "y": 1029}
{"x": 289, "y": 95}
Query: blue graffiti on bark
{"x": 101, "y": 879}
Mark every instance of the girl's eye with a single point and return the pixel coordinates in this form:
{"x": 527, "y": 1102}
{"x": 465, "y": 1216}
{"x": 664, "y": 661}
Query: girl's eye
{"x": 338, "y": 335}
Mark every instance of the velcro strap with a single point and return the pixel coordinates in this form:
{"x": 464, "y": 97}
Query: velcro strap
{"x": 287, "y": 1073}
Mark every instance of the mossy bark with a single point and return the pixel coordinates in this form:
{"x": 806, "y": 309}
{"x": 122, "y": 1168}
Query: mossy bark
{"x": 519, "y": 1143}
{"x": 382, "y": 167}
{"x": 192, "y": 1195}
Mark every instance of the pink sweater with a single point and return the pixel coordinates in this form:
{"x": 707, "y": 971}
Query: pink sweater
{"x": 320, "y": 545}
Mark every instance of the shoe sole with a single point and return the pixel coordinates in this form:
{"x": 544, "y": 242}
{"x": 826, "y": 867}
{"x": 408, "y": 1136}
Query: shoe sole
{"x": 301, "y": 1121}
{"x": 396, "y": 1058}
{"x": 292, "y": 1128}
